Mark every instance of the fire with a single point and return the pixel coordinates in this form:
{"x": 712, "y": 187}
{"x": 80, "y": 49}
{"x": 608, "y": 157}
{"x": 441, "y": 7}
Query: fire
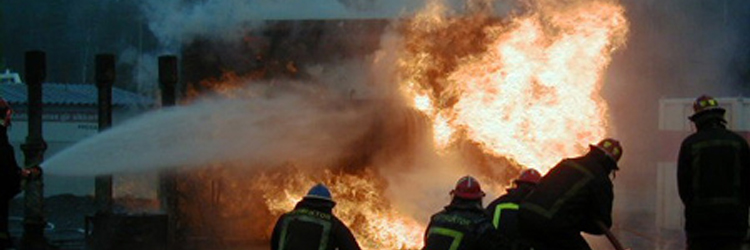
{"x": 229, "y": 85}
{"x": 526, "y": 90}
{"x": 360, "y": 204}
{"x": 531, "y": 91}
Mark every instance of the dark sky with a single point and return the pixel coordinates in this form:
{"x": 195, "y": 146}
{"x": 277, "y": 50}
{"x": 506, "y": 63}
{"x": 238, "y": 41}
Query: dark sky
{"x": 71, "y": 33}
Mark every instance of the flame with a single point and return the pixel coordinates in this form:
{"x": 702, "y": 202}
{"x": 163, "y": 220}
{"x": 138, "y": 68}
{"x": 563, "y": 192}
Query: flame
{"x": 525, "y": 90}
{"x": 423, "y": 103}
{"x": 442, "y": 131}
{"x": 360, "y": 204}
{"x": 230, "y": 84}
{"x": 532, "y": 93}
{"x": 217, "y": 207}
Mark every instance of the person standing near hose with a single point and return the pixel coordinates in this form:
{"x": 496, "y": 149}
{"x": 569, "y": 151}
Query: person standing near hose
{"x": 463, "y": 224}
{"x": 713, "y": 179}
{"x": 11, "y": 175}
{"x": 504, "y": 209}
{"x": 574, "y": 196}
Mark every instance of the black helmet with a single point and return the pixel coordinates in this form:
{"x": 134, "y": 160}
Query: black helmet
{"x": 706, "y": 107}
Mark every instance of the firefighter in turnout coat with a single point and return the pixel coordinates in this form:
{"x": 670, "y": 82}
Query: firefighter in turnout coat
{"x": 574, "y": 196}
{"x": 463, "y": 224}
{"x": 311, "y": 225}
{"x": 504, "y": 209}
{"x": 713, "y": 178}
{"x": 11, "y": 175}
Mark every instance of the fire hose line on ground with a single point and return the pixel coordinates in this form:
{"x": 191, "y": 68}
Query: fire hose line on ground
{"x": 610, "y": 236}
{"x": 646, "y": 237}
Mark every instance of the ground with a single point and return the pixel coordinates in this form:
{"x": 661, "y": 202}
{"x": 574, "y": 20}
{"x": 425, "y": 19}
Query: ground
{"x": 67, "y": 226}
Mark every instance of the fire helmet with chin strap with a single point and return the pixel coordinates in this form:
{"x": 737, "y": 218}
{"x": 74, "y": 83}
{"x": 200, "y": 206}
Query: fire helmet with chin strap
{"x": 529, "y": 176}
{"x": 611, "y": 148}
{"x": 706, "y": 106}
{"x": 320, "y": 192}
{"x": 468, "y": 188}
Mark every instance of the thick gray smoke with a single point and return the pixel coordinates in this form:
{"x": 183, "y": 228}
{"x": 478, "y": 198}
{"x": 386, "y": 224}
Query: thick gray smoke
{"x": 177, "y": 21}
{"x": 310, "y": 124}
{"x": 677, "y": 49}
{"x": 699, "y": 43}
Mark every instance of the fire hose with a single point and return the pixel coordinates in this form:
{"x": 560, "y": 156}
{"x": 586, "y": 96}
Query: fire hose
{"x": 611, "y": 237}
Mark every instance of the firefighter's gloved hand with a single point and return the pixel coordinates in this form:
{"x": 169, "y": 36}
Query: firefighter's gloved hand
{"x": 32, "y": 172}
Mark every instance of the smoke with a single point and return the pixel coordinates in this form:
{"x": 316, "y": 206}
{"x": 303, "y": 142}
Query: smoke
{"x": 700, "y": 44}
{"x": 177, "y": 22}
{"x": 678, "y": 49}
{"x": 145, "y": 70}
{"x": 280, "y": 124}
{"x": 277, "y": 123}
{"x": 337, "y": 121}
{"x": 681, "y": 49}
{"x": 344, "y": 112}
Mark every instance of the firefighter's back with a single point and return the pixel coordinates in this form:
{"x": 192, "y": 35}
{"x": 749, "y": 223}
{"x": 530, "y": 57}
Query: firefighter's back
{"x": 458, "y": 229}
{"x": 717, "y": 204}
{"x": 305, "y": 228}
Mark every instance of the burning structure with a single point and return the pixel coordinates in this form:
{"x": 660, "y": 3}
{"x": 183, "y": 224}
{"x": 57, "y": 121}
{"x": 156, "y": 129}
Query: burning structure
{"x": 387, "y": 113}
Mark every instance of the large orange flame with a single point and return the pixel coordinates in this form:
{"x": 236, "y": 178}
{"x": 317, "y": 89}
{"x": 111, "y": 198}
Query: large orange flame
{"x": 531, "y": 94}
{"x": 524, "y": 89}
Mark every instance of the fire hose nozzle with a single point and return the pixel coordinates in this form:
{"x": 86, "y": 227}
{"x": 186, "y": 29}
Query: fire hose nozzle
{"x": 32, "y": 172}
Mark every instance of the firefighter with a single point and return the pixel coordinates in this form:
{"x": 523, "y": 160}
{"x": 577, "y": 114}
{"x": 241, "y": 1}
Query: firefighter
{"x": 10, "y": 174}
{"x": 504, "y": 210}
{"x": 312, "y": 225}
{"x": 463, "y": 224}
{"x": 713, "y": 179}
{"x": 574, "y": 196}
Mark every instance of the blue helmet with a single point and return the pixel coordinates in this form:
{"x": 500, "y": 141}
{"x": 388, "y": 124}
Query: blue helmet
{"x": 320, "y": 192}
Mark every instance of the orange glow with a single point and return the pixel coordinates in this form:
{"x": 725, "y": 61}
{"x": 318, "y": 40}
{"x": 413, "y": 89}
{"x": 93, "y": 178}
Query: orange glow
{"x": 423, "y": 103}
{"x": 532, "y": 93}
{"x": 360, "y": 204}
{"x": 442, "y": 130}
{"x": 525, "y": 90}
{"x": 229, "y": 85}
